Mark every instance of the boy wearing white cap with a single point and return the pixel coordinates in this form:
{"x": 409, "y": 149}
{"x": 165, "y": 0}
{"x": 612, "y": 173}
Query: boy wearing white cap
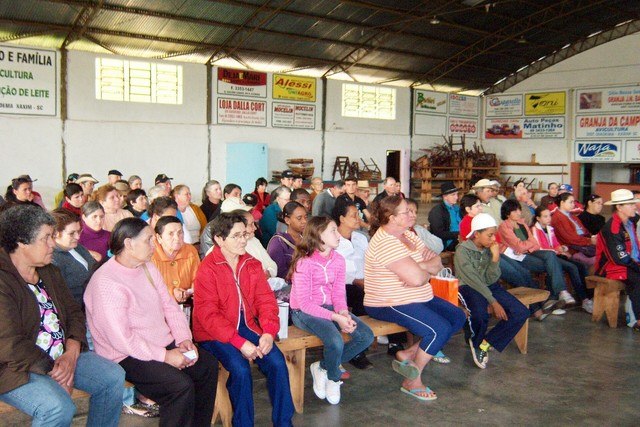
{"x": 477, "y": 266}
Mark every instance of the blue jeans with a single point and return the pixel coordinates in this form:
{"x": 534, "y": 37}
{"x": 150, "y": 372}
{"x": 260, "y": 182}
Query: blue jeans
{"x": 335, "y": 351}
{"x": 577, "y": 272}
{"x": 240, "y": 382}
{"x": 435, "y": 321}
{"x": 516, "y": 274}
{"x": 49, "y": 404}
{"x": 505, "y": 330}
{"x": 547, "y": 262}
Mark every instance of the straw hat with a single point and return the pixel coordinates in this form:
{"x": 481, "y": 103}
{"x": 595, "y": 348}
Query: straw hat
{"x": 363, "y": 185}
{"x": 621, "y": 197}
{"x": 232, "y": 203}
{"x": 483, "y": 183}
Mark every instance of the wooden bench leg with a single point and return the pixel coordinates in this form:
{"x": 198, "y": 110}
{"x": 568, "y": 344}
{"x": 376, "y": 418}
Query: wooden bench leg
{"x": 295, "y": 364}
{"x": 222, "y": 408}
{"x": 611, "y": 307}
{"x": 522, "y": 338}
{"x": 606, "y": 301}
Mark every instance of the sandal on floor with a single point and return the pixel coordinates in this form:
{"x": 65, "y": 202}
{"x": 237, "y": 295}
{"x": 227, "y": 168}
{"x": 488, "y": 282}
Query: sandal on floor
{"x": 441, "y": 358}
{"x": 405, "y": 369}
{"x": 414, "y": 393}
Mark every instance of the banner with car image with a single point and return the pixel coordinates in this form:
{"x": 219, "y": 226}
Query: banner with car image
{"x": 525, "y": 128}
{"x": 503, "y": 129}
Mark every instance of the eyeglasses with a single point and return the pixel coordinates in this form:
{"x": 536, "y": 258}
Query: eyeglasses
{"x": 239, "y": 236}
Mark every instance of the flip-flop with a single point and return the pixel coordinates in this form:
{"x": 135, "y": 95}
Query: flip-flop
{"x": 414, "y": 393}
{"x": 405, "y": 369}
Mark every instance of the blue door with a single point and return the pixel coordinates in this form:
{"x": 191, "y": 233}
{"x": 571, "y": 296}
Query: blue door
{"x": 246, "y": 162}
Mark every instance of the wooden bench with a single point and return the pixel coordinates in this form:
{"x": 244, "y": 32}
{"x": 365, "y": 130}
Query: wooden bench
{"x": 76, "y": 394}
{"x": 606, "y": 298}
{"x": 526, "y": 296}
{"x": 294, "y": 348}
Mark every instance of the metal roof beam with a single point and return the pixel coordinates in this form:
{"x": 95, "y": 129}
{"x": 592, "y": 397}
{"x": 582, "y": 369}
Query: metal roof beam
{"x": 562, "y": 54}
{"x": 212, "y": 46}
{"x": 213, "y": 23}
{"x": 555, "y": 11}
{"x": 81, "y": 22}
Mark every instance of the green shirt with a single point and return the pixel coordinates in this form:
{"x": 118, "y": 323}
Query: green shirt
{"x": 475, "y": 268}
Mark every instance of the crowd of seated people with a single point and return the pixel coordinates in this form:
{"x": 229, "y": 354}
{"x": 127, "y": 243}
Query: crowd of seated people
{"x": 121, "y": 260}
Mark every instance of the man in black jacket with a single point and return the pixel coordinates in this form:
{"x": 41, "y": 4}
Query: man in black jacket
{"x": 444, "y": 219}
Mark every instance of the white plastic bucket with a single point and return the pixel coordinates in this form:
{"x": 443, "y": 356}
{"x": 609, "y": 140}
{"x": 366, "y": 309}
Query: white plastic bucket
{"x": 283, "y": 313}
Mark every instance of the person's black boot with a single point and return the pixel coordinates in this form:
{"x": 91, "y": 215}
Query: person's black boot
{"x": 361, "y": 362}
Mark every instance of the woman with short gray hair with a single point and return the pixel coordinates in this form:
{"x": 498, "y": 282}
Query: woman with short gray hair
{"x": 43, "y": 346}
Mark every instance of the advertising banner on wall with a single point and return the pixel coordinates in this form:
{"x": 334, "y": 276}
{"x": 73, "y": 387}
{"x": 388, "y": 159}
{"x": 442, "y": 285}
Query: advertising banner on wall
{"x": 425, "y": 124}
{"x": 242, "y": 112}
{"x": 295, "y": 88}
{"x": 503, "y": 128}
{"x": 608, "y": 125}
{"x": 632, "y": 151}
{"x": 543, "y": 127}
{"x": 463, "y": 126}
{"x": 503, "y": 105}
{"x": 242, "y": 83}
{"x": 284, "y": 115}
{"x": 612, "y": 99}
{"x": 464, "y": 105}
{"x": 28, "y": 80}
{"x": 544, "y": 103}
{"x": 598, "y": 151}
{"x": 525, "y": 128}
{"x": 427, "y": 101}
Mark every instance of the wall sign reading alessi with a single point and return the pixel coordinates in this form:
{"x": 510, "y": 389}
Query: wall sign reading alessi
{"x": 294, "y": 87}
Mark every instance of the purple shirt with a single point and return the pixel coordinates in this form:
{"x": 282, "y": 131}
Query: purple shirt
{"x": 281, "y": 253}
{"x": 97, "y": 241}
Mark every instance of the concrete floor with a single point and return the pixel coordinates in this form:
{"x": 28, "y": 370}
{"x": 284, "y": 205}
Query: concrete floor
{"x": 576, "y": 372}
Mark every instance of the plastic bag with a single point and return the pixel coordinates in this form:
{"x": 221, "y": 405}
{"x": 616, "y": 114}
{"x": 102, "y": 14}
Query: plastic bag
{"x": 445, "y": 286}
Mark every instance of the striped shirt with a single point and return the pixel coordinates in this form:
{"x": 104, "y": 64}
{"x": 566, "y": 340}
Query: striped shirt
{"x": 382, "y": 287}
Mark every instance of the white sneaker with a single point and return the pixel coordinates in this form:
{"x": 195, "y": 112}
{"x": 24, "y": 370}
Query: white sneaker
{"x": 320, "y": 381}
{"x": 333, "y": 392}
{"x": 559, "y": 312}
{"x": 587, "y": 305}
{"x": 566, "y": 297}
{"x": 383, "y": 340}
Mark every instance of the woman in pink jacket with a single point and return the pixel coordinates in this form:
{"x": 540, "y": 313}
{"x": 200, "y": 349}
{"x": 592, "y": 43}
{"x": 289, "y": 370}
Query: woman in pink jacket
{"x": 545, "y": 236}
{"x": 319, "y": 305}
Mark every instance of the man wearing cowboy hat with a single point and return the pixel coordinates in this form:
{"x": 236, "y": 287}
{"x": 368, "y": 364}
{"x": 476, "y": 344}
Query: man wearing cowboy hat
{"x": 484, "y": 190}
{"x": 444, "y": 219}
{"x": 618, "y": 250}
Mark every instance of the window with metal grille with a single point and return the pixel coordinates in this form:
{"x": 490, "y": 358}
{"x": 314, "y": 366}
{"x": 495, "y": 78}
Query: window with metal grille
{"x": 138, "y": 81}
{"x": 368, "y": 102}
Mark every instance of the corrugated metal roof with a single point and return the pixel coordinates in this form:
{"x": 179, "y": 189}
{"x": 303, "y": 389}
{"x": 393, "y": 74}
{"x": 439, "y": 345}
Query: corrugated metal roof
{"x": 375, "y": 40}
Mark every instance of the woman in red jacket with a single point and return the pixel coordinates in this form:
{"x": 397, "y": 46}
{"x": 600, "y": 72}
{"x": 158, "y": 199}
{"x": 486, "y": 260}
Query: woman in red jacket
{"x": 235, "y": 317}
{"x": 572, "y": 233}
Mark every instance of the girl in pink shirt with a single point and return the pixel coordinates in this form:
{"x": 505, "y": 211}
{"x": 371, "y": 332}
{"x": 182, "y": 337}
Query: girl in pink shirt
{"x": 318, "y": 304}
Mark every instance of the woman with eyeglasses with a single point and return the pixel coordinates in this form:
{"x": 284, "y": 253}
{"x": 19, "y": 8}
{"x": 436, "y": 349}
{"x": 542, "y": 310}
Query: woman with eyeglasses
{"x": 282, "y": 245}
{"x": 235, "y": 318}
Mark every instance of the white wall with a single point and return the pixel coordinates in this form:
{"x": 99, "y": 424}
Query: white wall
{"x": 366, "y": 138}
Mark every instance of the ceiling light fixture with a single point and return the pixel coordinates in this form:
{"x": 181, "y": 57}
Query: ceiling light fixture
{"x": 434, "y": 20}
{"x": 522, "y": 40}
